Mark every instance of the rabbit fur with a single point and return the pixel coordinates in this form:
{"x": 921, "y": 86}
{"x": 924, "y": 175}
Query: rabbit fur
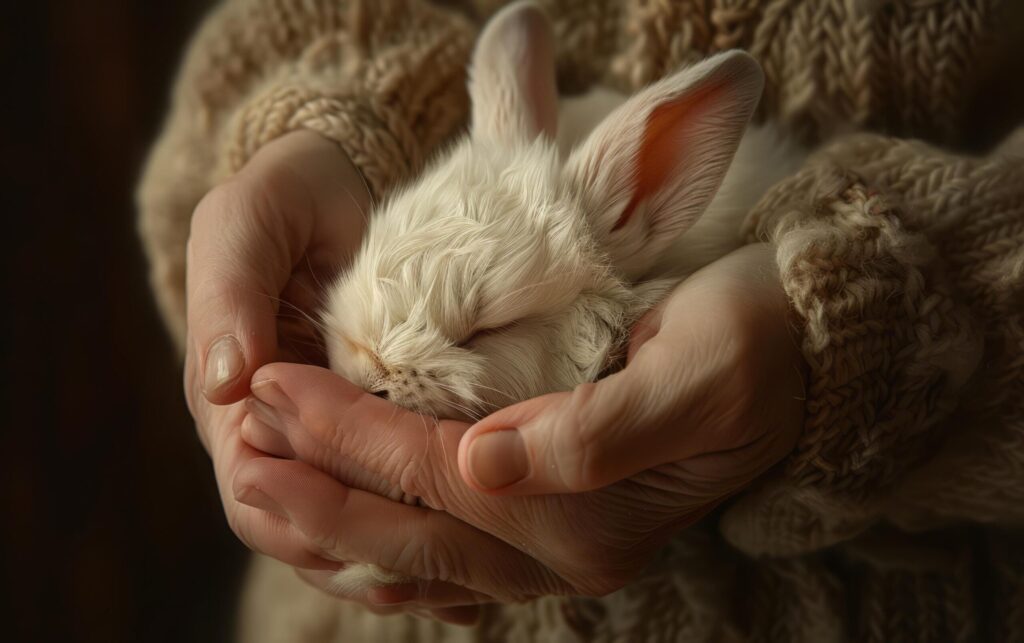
{"x": 516, "y": 264}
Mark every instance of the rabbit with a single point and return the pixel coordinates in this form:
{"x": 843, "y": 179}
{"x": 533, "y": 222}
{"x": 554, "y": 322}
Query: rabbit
{"x": 517, "y": 263}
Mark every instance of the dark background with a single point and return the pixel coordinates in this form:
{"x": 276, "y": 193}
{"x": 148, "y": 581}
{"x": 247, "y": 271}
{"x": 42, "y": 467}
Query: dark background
{"x": 111, "y": 529}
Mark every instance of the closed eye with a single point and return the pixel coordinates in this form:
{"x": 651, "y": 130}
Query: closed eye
{"x": 484, "y": 332}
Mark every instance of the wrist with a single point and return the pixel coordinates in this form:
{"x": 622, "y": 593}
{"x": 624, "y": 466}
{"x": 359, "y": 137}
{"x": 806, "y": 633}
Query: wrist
{"x": 313, "y": 173}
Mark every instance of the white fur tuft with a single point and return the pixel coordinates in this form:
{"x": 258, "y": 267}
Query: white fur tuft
{"x": 356, "y": 579}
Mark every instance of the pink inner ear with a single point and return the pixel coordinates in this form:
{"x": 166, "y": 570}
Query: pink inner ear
{"x": 661, "y": 150}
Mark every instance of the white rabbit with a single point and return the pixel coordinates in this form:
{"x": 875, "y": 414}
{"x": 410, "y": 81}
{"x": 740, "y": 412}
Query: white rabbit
{"x": 511, "y": 269}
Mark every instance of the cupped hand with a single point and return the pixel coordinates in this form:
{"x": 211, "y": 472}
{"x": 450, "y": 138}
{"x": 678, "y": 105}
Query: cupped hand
{"x": 259, "y": 245}
{"x": 567, "y": 493}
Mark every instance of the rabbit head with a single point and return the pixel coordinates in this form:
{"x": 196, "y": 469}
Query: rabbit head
{"x": 506, "y": 271}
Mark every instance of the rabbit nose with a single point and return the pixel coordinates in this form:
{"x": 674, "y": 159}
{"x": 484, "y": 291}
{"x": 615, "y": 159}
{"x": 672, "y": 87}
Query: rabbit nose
{"x": 383, "y": 394}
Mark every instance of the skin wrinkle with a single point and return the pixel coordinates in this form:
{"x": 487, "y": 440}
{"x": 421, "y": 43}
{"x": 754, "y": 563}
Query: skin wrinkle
{"x": 290, "y": 239}
{"x": 439, "y": 557}
{"x": 587, "y": 439}
{"x": 339, "y": 440}
{"x": 419, "y": 480}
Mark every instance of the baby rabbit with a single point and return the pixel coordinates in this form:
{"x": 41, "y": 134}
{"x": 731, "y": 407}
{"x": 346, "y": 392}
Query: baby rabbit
{"x": 510, "y": 269}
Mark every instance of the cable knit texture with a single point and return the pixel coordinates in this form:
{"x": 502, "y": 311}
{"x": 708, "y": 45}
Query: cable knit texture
{"x": 899, "y": 516}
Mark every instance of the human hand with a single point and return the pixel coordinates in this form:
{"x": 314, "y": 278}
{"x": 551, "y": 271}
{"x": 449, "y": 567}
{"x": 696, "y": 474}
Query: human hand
{"x": 259, "y": 246}
{"x": 582, "y": 488}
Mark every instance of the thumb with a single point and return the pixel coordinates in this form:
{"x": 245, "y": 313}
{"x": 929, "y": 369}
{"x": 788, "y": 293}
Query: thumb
{"x": 247, "y": 236}
{"x": 596, "y": 435}
{"x": 235, "y": 274}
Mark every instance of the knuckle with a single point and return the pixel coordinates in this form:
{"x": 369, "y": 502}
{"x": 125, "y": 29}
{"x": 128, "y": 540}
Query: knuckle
{"x": 583, "y": 460}
{"x": 324, "y": 426}
{"x": 415, "y": 482}
{"x": 216, "y": 287}
{"x": 427, "y": 476}
{"x": 330, "y": 423}
{"x": 322, "y": 537}
{"x": 241, "y": 206}
{"x": 322, "y": 529}
{"x": 223, "y": 201}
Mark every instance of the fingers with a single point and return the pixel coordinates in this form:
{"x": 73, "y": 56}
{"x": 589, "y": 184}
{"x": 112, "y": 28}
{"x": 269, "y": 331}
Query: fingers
{"x": 333, "y": 424}
{"x": 262, "y": 531}
{"x": 247, "y": 237}
{"x": 269, "y": 534}
{"x": 422, "y": 543}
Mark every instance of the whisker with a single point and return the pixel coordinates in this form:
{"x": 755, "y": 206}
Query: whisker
{"x": 426, "y": 433}
{"x": 319, "y": 289}
{"x": 355, "y": 202}
{"x": 309, "y": 318}
{"x": 468, "y": 410}
{"x": 293, "y": 318}
{"x": 440, "y": 439}
{"x": 453, "y": 391}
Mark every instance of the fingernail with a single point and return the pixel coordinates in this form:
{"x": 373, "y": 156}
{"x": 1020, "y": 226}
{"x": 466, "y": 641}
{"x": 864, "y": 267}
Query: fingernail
{"x": 393, "y": 594}
{"x": 498, "y": 459}
{"x": 266, "y": 414}
{"x": 270, "y": 391}
{"x": 253, "y": 497}
{"x": 224, "y": 363}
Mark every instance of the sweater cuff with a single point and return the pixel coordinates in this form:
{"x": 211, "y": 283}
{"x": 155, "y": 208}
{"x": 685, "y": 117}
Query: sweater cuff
{"x": 374, "y": 136}
{"x": 888, "y": 352}
{"x": 389, "y": 91}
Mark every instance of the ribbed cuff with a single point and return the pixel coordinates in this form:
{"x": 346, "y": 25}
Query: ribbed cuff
{"x": 887, "y": 346}
{"x": 373, "y": 137}
{"x": 888, "y": 350}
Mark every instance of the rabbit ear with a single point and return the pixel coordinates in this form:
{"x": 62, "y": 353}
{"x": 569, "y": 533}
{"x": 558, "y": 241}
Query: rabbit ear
{"x": 650, "y": 169}
{"x": 513, "y": 77}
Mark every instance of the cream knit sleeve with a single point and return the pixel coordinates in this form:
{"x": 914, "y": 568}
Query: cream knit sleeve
{"x": 385, "y": 79}
{"x": 905, "y": 268}
{"x": 922, "y": 69}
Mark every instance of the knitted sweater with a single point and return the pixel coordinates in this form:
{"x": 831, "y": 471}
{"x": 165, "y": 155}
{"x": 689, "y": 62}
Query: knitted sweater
{"x": 900, "y": 513}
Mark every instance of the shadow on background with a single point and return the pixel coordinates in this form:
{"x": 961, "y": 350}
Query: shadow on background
{"x": 112, "y": 530}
